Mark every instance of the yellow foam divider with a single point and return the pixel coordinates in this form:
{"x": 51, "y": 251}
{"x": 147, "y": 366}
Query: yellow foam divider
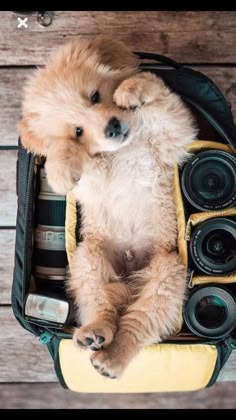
{"x": 157, "y": 368}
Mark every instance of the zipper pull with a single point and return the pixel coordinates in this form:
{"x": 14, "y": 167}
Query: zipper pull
{"x": 45, "y": 337}
{"x": 232, "y": 343}
{"x": 190, "y": 281}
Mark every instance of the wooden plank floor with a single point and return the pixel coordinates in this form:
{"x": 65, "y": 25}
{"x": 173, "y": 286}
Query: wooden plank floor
{"x": 207, "y": 41}
{"x": 49, "y": 395}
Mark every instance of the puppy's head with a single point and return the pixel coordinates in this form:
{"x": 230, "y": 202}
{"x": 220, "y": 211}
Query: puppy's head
{"x": 71, "y": 98}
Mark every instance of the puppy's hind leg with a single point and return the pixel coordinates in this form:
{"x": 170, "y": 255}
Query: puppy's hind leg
{"x": 151, "y": 318}
{"x": 98, "y": 293}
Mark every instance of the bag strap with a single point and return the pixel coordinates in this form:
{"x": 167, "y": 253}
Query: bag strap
{"x": 157, "y": 57}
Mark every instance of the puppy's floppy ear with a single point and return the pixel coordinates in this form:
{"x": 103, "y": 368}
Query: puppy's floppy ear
{"x": 30, "y": 138}
{"x": 114, "y": 53}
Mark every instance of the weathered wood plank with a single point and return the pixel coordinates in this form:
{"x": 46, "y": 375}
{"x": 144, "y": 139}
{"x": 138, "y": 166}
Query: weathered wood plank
{"x": 11, "y": 83}
{"x": 23, "y": 358}
{"x": 228, "y": 372}
{"x": 53, "y": 396}
{"x": 184, "y": 35}
{"x": 12, "y": 80}
{"x": 26, "y": 360}
{"x": 7, "y": 249}
{"x": 8, "y": 187}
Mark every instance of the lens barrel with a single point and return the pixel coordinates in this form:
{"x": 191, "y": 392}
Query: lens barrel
{"x": 50, "y": 258}
{"x": 208, "y": 180}
{"x": 210, "y": 312}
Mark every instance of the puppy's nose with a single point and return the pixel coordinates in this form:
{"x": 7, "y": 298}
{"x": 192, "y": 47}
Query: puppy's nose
{"x": 113, "y": 128}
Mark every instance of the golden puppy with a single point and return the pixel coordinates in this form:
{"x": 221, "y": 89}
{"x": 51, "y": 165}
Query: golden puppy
{"x": 114, "y": 135}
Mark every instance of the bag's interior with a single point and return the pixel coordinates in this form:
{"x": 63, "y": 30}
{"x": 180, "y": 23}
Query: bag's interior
{"x": 186, "y": 361}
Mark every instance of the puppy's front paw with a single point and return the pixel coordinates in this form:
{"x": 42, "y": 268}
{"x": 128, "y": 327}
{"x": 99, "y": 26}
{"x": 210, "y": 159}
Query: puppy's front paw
{"x": 60, "y": 176}
{"x": 64, "y": 165}
{"x": 94, "y": 336}
{"x": 107, "y": 363}
{"x": 128, "y": 95}
{"x": 141, "y": 89}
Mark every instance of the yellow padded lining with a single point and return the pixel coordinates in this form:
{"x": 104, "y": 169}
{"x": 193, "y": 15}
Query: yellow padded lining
{"x": 157, "y": 368}
{"x": 185, "y": 227}
{"x": 70, "y": 226}
{"x": 181, "y": 222}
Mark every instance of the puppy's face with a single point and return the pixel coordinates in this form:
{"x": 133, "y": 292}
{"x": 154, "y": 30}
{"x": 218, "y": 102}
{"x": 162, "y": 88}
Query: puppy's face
{"x": 71, "y": 98}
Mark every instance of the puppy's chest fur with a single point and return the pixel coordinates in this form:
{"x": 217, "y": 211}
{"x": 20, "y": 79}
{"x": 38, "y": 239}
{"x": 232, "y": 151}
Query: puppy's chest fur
{"x": 123, "y": 201}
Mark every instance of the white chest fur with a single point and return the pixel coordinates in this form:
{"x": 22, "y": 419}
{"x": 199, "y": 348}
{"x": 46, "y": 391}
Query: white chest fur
{"x": 119, "y": 197}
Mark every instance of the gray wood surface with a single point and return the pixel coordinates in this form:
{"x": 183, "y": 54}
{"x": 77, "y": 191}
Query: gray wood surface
{"x": 13, "y": 79}
{"x": 7, "y": 247}
{"x": 53, "y": 396}
{"x": 23, "y": 358}
{"x": 8, "y": 187}
{"x": 199, "y": 37}
{"x": 11, "y": 83}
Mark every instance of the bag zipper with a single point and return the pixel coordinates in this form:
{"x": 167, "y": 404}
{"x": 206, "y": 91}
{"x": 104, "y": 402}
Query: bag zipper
{"x": 29, "y": 183}
{"x": 29, "y": 190}
{"x": 47, "y": 335}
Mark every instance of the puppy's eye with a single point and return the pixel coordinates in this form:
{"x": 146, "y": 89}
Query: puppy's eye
{"x": 95, "y": 97}
{"x": 78, "y": 131}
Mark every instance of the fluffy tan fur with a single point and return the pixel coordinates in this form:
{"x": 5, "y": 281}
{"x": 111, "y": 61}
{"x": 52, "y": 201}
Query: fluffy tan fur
{"x": 126, "y": 276}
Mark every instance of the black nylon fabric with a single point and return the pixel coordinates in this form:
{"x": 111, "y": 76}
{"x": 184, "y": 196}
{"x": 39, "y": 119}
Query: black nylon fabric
{"x": 23, "y": 240}
{"x": 196, "y": 86}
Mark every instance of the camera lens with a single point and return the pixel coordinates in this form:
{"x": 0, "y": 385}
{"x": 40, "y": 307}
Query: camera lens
{"x": 50, "y": 256}
{"x": 213, "y": 246}
{"x": 210, "y": 312}
{"x": 209, "y": 180}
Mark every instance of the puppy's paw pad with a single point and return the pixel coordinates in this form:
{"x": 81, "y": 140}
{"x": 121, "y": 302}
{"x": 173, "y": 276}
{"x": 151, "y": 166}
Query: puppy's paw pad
{"x": 106, "y": 365}
{"x": 93, "y": 336}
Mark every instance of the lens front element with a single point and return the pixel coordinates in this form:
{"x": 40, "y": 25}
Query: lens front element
{"x": 209, "y": 180}
{"x": 213, "y": 246}
{"x": 210, "y": 312}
